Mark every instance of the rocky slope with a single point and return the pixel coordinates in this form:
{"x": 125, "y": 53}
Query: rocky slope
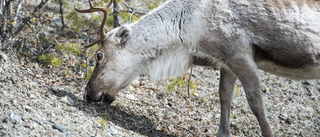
{"x": 35, "y": 102}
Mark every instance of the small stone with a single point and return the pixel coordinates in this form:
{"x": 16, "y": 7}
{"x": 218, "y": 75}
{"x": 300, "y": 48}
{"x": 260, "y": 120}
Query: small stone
{"x": 306, "y": 83}
{"x": 131, "y": 88}
{"x": 195, "y": 94}
{"x": 131, "y": 96}
{"x": 60, "y": 127}
{"x": 113, "y": 130}
{"x": 5, "y": 120}
{"x": 28, "y": 108}
{"x": 4, "y": 93}
{"x": 15, "y": 119}
{"x": 3, "y": 57}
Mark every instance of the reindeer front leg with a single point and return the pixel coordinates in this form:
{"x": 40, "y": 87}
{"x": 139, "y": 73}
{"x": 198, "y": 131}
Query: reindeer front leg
{"x": 226, "y": 86}
{"x": 245, "y": 69}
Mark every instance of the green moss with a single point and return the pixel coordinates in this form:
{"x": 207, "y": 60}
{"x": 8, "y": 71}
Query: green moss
{"x": 169, "y": 87}
{"x": 204, "y": 100}
{"x": 50, "y": 59}
{"x": 84, "y": 65}
{"x": 89, "y": 73}
{"x": 126, "y": 17}
{"x": 193, "y": 85}
{"x": 77, "y": 20}
{"x": 93, "y": 49}
{"x": 103, "y": 122}
{"x": 72, "y": 48}
{"x": 152, "y": 4}
{"x": 180, "y": 82}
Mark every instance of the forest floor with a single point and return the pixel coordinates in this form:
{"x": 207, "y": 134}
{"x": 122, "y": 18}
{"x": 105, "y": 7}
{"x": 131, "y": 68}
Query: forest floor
{"x": 36, "y": 101}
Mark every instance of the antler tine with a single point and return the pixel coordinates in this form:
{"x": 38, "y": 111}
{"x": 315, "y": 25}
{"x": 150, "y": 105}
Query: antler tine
{"x": 105, "y": 11}
{"x": 108, "y": 6}
{"x": 90, "y": 4}
{"x": 105, "y": 17}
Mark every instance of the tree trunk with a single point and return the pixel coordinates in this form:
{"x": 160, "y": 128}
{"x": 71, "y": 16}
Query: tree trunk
{"x": 115, "y": 14}
{"x": 61, "y": 13}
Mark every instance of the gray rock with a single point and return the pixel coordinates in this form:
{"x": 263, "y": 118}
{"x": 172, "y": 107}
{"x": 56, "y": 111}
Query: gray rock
{"x": 60, "y": 127}
{"x": 15, "y": 119}
{"x": 113, "y": 130}
{"x": 3, "y": 57}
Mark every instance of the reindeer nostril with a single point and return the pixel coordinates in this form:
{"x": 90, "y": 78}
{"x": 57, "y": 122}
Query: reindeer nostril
{"x": 87, "y": 90}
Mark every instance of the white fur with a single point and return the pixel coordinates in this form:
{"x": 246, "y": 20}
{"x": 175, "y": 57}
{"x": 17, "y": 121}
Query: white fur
{"x": 170, "y": 64}
{"x": 161, "y": 36}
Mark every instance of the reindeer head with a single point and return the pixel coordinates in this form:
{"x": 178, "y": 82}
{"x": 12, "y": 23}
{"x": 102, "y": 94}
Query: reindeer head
{"x": 115, "y": 67}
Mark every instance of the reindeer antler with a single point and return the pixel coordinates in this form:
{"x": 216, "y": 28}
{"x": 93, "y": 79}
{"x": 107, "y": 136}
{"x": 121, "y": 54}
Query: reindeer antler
{"x": 105, "y": 11}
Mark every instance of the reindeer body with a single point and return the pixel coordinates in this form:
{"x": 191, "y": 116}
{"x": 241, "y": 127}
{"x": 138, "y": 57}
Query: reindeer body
{"x": 282, "y": 37}
{"x": 278, "y": 36}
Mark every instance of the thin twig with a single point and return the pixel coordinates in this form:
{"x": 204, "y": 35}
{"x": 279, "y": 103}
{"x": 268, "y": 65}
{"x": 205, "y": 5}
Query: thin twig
{"x": 61, "y": 14}
{"x": 87, "y": 60}
{"x": 20, "y": 50}
{"x": 132, "y": 9}
{"x": 131, "y": 16}
{"x": 189, "y": 82}
{"x": 39, "y": 29}
{"x": 45, "y": 51}
{"x": 29, "y": 49}
{"x": 115, "y": 14}
{"x": 186, "y": 129}
{"x": 148, "y": 130}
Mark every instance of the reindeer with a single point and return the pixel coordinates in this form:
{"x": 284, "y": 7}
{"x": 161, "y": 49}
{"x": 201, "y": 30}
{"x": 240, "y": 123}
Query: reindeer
{"x": 277, "y": 36}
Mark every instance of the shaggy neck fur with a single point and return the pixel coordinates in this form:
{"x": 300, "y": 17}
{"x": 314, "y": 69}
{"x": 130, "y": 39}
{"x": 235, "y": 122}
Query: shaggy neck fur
{"x": 168, "y": 63}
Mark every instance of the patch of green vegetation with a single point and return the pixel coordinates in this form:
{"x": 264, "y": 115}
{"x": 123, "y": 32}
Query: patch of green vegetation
{"x": 169, "y": 87}
{"x": 204, "y": 100}
{"x": 174, "y": 84}
{"x": 89, "y": 73}
{"x": 126, "y": 17}
{"x": 83, "y": 65}
{"x": 193, "y": 85}
{"x": 71, "y": 48}
{"x": 77, "y": 21}
{"x": 65, "y": 3}
{"x": 180, "y": 82}
{"x": 152, "y": 4}
{"x": 50, "y": 59}
{"x": 103, "y": 122}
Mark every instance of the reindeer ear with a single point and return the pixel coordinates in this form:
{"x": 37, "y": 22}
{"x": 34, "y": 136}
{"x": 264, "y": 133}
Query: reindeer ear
{"x": 121, "y": 35}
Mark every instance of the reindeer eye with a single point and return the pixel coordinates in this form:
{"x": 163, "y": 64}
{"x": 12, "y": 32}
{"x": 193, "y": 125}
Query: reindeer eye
{"x": 99, "y": 56}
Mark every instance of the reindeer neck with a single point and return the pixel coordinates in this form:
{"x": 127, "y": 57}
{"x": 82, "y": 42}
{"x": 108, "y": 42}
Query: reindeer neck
{"x": 166, "y": 27}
